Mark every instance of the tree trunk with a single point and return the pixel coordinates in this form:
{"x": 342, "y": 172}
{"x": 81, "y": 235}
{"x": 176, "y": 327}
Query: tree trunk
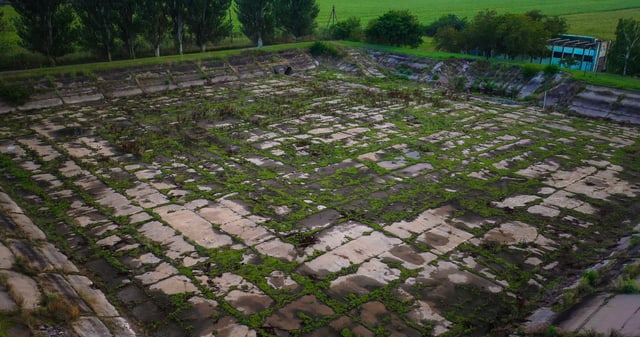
{"x": 203, "y": 47}
{"x": 179, "y": 34}
{"x": 50, "y": 39}
{"x": 157, "y": 50}
{"x": 259, "y": 40}
{"x": 131, "y": 47}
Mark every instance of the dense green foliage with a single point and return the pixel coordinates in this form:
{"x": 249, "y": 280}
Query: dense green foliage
{"x": 349, "y": 29}
{"x": 446, "y": 21}
{"x": 119, "y": 28}
{"x": 297, "y": 17}
{"x": 45, "y": 27}
{"x": 208, "y": 20}
{"x": 395, "y": 28}
{"x": 154, "y": 23}
{"x": 512, "y": 35}
{"x": 14, "y": 94}
{"x": 624, "y": 56}
{"x": 323, "y": 49}
{"x": 98, "y": 32}
{"x": 258, "y": 20}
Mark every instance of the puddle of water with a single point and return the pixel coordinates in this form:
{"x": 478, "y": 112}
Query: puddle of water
{"x": 72, "y": 131}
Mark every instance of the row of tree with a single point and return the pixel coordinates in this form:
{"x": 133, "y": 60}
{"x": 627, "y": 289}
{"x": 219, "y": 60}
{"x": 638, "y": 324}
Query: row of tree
{"x": 55, "y": 27}
{"x": 491, "y": 34}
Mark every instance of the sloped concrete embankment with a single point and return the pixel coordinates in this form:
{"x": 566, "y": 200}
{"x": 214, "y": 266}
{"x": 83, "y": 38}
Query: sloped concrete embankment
{"x": 80, "y": 87}
{"x": 38, "y": 280}
{"x": 614, "y": 104}
{"x": 483, "y": 76}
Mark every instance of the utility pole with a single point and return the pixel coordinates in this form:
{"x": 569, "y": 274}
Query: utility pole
{"x": 332, "y": 18}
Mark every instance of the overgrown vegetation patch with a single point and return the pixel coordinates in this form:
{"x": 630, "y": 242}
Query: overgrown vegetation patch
{"x": 326, "y": 203}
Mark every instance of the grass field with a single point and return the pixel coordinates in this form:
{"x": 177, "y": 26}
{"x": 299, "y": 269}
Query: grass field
{"x": 600, "y": 24}
{"x": 589, "y": 17}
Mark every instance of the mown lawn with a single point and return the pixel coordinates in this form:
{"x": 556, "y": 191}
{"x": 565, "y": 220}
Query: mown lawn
{"x": 600, "y": 24}
{"x": 588, "y": 17}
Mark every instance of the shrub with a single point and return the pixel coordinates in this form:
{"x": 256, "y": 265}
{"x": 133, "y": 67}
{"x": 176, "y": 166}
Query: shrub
{"x": 14, "y": 94}
{"x": 460, "y": 83}
{"x": 349, "y": 29}
{"x": 591, "y": 277}
{"x": 446, "y": 21}
{"x": 529, "y": 71}
{"x": 551, "y": 69}
{"x": 323, "y": 49}
{"x": 395, "y": 28}
{"x": 630, "y": 287}
{"x": 60, "y": 310}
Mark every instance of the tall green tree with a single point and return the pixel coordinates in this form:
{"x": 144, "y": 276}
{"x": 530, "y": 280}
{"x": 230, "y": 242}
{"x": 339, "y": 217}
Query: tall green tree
{"x": 520, "y": 35}
{"x": 177, "y": 10}
{"x": 257, "y": 18}
{"x": 483, "y": 33}
{"x": 208, "y": 20}
{"x": 154, "y": 22}
{"x": 449, "y": 20}
{"x": 554, "y": 25}
{"x": 297, "y": 17}
{"x": 449, "y": 39}
{"x": 98, "y": 29}
{"x": 45, "y": 26}
{"x": 349, "y": 29}
{"x": 128, "y": 22}
{"x": 624, "y": 56}
{"x": 395, "y": 28}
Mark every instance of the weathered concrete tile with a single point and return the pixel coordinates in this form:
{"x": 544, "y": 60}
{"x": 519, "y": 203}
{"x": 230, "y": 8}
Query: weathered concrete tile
{"x": 228, "y": 327}
{"x": 175, "y": 285}
{"x": 89, "y": 326}
{"x": 23, "y": 289}
{"x": 92, "y": 296}
{"x": 278, "y": 249}
{"x": 6, "y": 257}
{"x": 219, "y": 214}
{"x": 337, "y": 235}
{"x": 583, "y": 313}
{"x": 193, "y": 226}
{"x": 408, "y": 256}
{"x": 614, "y": 314}
{"x": 247, "y": 230}
{"x": 560, "y": 179}
{"x": 424, "y": 312}
{"x": 249, "y": 302}
{"x": 161, "y": 272}
{"x": 544, "y": 210}
{"x": 156, "y": 231}
{"x": 353, "y": 252}
{"x": 6, "y": 302}
{"x": 56, "y": 284}
{"x": 288, "y": 318}
{"x": 423, "y": 222}
{"x": 444, "y": 238}
{"x": 119, "y": 327}
{"x": 515, "y": 201}
{"x": 370, "y": 275}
